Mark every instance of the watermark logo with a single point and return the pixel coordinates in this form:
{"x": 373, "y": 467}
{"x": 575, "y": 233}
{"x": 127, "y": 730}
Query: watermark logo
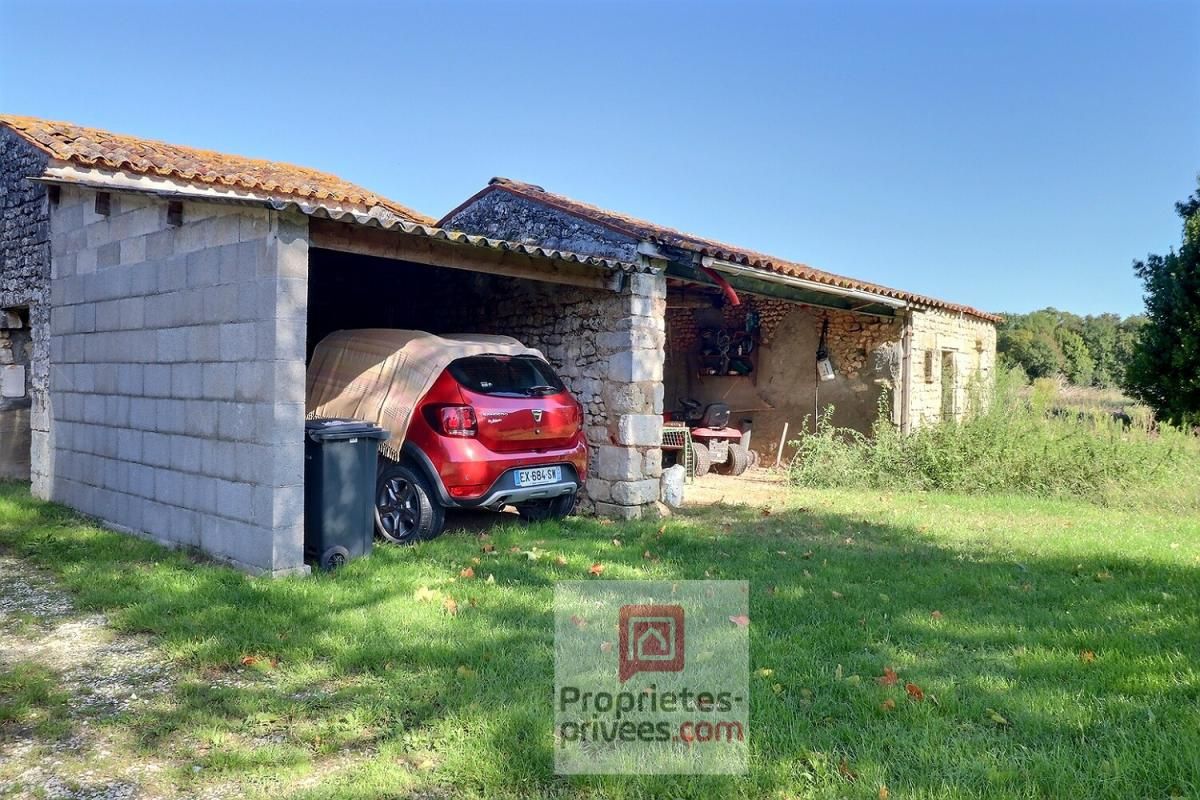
{"x": 651, "y": 676}
{"x": 651, "y": 639}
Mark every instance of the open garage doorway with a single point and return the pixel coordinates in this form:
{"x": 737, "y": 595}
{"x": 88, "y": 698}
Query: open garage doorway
{"x": 598, "y": 324}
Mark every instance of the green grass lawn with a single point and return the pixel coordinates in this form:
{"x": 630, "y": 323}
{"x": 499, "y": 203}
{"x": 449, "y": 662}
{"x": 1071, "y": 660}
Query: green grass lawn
{"x": 1057, "y": 644}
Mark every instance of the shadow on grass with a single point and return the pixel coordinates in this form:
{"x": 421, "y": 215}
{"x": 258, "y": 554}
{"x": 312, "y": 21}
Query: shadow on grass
{"x": 1014, "y": 703}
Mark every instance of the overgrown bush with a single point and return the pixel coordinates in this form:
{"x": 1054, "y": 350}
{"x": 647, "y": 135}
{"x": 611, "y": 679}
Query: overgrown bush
{"x": 1007, "y": 444}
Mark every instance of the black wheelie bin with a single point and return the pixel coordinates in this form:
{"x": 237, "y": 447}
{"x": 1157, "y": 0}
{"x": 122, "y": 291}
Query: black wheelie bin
{"x": 340, "y": 462}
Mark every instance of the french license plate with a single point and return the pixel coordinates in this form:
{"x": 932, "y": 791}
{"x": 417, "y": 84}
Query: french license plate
{"x": 536, "y": 476}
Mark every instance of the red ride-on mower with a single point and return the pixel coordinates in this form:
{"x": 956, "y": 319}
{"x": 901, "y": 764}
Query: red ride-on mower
{"x": 713, "y": 437}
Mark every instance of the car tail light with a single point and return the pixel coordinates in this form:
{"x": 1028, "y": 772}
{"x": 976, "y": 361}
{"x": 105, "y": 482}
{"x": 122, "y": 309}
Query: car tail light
{"x": 455, "y": 420}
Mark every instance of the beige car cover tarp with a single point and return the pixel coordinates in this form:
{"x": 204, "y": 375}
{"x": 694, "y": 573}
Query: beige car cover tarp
{"x": 379, "y": 374}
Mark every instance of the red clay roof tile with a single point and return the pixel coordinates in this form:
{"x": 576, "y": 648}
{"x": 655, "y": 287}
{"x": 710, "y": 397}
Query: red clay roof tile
{"x": 90, "y": 147}
{"x": 641, "y": 229}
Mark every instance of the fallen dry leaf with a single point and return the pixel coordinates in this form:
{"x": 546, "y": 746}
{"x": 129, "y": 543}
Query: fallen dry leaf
{"x": 596, "y": 568}
{"x": 741, "y": 620}
{"x": 616, "y": 542}
{"x": 883, "y": 793}
{"x": 846, "y": 772}
{"x": 914, "y": 691}
{"x": 936, "y": 615}
{"x": 465, "y": 672}
{"x": 425, "y": 593}
{"x": 764, "y": 672}
{"x": 888, "y": 705}
{"x": 514, "y": 549}
{"x": 889, "y": 677}
{"x": 578, "y": 622}
{"x": 451, "y": 606}
{"x": 1087, "y": 656}
{"x": 488, "y": 548}
{"x": 467, "y": 572}
{"x": 249, "y": 661}
{"x": 560, "y": 560}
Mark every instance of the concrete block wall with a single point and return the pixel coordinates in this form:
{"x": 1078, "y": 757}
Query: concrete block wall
{"x": 177, "y": 380}
{"x": 969, "y": 343}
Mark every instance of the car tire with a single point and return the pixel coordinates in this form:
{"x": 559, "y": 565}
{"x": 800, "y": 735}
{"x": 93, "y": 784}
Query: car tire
{"x": 738, "y": 461}
{"x": 554, "y": 509}
{"x": 406, "y": 511}
{"x": 702, "y": 459}
{"x": 334, "y": 557}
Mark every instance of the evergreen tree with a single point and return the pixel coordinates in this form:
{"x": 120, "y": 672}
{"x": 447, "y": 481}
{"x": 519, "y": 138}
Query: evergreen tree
{"x": 1165, "y": 370}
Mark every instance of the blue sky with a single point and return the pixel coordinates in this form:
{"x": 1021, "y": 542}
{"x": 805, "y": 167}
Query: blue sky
{"x": 1008, "y": 155}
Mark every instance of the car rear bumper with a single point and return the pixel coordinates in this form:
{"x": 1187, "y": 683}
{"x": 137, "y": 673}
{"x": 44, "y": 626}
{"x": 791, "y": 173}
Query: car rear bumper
{"x": 505, "y": 492}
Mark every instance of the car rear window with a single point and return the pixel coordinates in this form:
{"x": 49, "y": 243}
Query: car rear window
{"x": 506, "y": 376}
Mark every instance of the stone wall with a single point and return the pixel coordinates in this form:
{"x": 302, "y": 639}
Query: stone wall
{"x": 944, "y": 341}
{"x": 500, "y": 215}
{"x": 24, "y": 292}
{"x": 607, "y": 346}
{"x": 177, "y": 386}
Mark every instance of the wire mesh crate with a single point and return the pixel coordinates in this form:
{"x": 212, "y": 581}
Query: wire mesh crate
{"x": 678, "y": 437}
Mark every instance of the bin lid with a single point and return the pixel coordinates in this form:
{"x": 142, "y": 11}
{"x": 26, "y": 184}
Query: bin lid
{"x": 340, "y": 429}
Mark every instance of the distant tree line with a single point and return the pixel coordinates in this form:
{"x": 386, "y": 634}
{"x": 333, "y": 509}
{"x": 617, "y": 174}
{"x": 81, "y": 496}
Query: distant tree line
{"x": 1087, "y": 351}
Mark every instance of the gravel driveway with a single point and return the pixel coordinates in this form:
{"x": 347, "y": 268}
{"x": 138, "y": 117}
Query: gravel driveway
{"x": 103, "y": 675}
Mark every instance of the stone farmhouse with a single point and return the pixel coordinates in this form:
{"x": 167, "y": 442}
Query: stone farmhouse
{"x": 159, "y": 303}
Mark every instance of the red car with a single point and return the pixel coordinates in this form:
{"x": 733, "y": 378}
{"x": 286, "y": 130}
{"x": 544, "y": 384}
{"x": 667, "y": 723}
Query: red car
{"x": 493, "y": 431}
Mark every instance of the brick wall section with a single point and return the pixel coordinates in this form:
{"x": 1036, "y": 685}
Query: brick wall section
{"x": 24, "y": 283}
{"x": 177, "y": 387}
{"x": 607, "y": 346}
{"x": 968, "y": 342}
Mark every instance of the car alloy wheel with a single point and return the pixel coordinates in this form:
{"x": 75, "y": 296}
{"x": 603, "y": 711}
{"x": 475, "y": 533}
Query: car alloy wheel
{"x": 405, "y": 511}
{"x": 399, "y": 508}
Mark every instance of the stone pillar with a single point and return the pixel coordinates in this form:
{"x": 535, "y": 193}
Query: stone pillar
{"x": 627, "y": 455}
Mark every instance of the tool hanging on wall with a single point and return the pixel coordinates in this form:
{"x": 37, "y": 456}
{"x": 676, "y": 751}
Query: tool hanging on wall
{"x": 824, "y": 365}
